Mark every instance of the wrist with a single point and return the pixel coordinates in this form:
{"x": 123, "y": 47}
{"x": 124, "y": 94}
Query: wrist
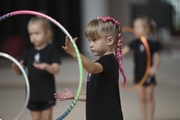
{"x": 74, "y": 55}
{"x": 74, "y": 95}
{"x": 154, "y": 67}
{"x": 45, "y": 66}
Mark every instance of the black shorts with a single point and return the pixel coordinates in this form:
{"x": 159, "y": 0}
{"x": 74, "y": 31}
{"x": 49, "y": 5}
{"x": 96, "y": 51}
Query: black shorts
{"x": 38, "y": 106}
{"x": 149, "y": 81}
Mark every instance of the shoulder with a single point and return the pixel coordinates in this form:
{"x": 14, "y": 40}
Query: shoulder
{"x": 134, "y": 43}
{"x": 108, "y": 62}
{"x": 51, "y": 48}
{"x": 155, "y": 42}
{"x": 155, "y": 45}
{"x": 29, "y": 50}
{"x": 137, "y": 40}
{"x": 108, "y": 57}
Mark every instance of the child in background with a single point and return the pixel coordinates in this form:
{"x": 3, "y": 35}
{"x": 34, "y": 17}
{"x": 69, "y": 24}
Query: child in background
{"x": 146, "y": 27}
{"x": 102, "y": 93}
{"x": 42, "y": 62}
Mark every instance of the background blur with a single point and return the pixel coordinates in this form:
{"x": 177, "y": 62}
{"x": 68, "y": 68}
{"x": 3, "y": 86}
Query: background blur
{"x": 74, "y": 15}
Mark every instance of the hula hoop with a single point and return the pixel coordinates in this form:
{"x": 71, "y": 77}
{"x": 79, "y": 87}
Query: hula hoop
{"x": 26, "y": 80}
{"x": 19, "y": 12}
{"x": 148, "y": 64}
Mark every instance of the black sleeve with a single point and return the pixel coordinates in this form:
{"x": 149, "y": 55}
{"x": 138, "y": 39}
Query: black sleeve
{"x": 132, "y": 44}
{"x": 157, "y": 46}
{"x": 107, "y": 63}
{"x": 55, "y": 58}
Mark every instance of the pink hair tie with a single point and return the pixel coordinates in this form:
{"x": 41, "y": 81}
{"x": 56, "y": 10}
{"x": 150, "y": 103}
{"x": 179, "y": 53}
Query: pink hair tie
{"x": 108, "y": 18}
{"x": 119, "y": 35}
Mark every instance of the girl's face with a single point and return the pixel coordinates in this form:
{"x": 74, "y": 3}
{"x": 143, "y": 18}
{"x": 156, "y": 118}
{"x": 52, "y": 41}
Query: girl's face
{"x": 99, "y": 47}
{"x": 139, "y": 27}
{"x": 38, "y": 35}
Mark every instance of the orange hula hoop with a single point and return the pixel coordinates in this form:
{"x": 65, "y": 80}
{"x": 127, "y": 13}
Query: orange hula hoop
{"x": 148, "y": 64}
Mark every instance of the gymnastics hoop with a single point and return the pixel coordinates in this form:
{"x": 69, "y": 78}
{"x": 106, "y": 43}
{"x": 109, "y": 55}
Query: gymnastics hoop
{"x": 148, "y": 64}
{"x": 26, "y": 80}
{"x": 19, "y": 12}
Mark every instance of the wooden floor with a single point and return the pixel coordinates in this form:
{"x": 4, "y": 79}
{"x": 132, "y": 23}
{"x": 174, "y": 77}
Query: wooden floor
{"x": 167, "y": 91}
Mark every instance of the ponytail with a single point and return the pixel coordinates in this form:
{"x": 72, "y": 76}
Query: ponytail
{"x": 118, "y": 36}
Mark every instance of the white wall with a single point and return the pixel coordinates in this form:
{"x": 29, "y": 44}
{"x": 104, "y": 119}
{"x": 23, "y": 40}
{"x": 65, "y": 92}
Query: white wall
{"x": 90, "y": 10}
{"x": 119, "y": 9}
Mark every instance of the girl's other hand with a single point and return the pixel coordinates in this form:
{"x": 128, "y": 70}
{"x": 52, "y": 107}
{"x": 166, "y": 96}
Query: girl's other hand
{"x": 66, "y": 95}
{"x": 152, "y": 71}
{"x": 69, "y": 48}
{"x": 41, "y": 66}
{"x": 16, "y": 67}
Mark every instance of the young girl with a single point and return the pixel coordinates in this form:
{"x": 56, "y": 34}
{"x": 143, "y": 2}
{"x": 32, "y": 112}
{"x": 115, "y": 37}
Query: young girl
{"x": 42, "y": 62}
{"x": 102, "y": 94}
{"x": 146, "y": 27}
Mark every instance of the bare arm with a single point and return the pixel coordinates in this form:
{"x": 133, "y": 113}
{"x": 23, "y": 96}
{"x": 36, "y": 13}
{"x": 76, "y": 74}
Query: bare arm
{"x": 82, "y": 97}
{"x": 69, "y": 95}
{"x": 157, "y": 60}
{"x": 125, "y": 50}
{"x": 51, "y": 68}
{"x": 88, "y": 65}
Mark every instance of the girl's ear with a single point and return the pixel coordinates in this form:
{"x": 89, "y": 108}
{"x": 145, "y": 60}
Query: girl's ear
{"x": 110, "y": 40}
{"x": 147, "y": 31}
{"x": 48, "y": 32}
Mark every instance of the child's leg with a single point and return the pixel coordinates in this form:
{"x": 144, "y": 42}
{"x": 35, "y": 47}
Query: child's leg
{"x": 36, "y": 115}
{"x": 46, "y": 114}
{"x": 142, "y": 101}
{"x": 150, "y": 101}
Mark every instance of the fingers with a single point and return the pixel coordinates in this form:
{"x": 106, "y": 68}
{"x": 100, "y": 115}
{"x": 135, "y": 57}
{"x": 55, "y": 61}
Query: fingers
{"x": 63, "y": 47}
{"x": 68, "y": 38}
{"x": 22, "y": 61}
{"x": 66, "y": 90}
{"x": 38, "y": 66}
{"x": 35, "y": 65}
{"x": 75, "y": 39}
{"x": 66, "y": 95}
{"x": 14, "y": 66}
{"x": 67, "y": 42}
{"x": 59, "y": 96}
{"x": 152, "y": 73}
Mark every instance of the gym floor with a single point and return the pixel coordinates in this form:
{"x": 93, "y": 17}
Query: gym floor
{"x": 167, "y": 91}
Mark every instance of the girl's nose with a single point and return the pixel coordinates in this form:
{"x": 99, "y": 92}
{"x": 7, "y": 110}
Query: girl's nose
{"x": 90, "y": 44}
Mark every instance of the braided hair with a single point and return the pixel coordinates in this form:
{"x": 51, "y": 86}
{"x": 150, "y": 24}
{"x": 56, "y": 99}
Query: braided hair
{"x": 108, "y": 26}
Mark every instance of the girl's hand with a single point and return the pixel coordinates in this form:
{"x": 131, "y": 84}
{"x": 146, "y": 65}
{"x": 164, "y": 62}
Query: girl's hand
{"x": 41, "y": 66}
{"x": 16, "y": 67}
{"x": 152, "y": 71}
{"x": 69, "y": 48}
{"x": 66, "y": 95}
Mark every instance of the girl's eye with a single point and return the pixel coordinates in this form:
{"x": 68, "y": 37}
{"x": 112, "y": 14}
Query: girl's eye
{"x": 37, "y": 33}
{"x": 94, "y": 40}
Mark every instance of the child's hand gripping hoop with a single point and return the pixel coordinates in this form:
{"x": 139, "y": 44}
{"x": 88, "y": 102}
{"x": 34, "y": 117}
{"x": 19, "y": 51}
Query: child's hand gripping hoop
{"x": 19, "y": 12}
{"x": 26, "y": 80}
{"x": 144, "y": 41}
